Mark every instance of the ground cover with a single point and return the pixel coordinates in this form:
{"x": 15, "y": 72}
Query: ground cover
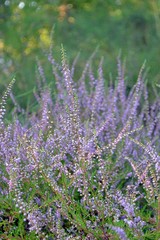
{"x": 84, "y": 164}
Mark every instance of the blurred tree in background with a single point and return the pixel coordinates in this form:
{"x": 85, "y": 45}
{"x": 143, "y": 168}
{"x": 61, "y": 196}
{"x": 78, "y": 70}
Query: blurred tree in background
{"x": 131, "y": 26}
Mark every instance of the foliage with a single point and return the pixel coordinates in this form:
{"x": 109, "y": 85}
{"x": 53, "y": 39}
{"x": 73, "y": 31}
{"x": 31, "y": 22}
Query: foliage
{"x": 86, "y": 164}
{"x": 112, "y": 25}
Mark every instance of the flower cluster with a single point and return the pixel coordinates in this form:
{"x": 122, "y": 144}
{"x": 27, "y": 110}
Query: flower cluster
{"x": 85, "y": 164}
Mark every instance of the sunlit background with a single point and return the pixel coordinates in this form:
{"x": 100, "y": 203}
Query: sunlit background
{"x": 27, "y": 29}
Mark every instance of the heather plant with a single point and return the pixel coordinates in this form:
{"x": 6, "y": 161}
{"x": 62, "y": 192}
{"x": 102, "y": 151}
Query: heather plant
{"x": 86, "y": 165}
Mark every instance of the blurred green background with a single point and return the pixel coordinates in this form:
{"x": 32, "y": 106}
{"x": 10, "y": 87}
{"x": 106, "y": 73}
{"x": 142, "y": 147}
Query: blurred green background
{"x": 129, "y": 26}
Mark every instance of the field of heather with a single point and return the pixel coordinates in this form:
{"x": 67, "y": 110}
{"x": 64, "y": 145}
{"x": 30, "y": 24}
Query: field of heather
{"x": 86, "y": 164}
{"x": 79, "y": 142}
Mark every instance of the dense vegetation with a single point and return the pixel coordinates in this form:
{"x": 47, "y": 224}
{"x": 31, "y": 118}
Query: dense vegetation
{"x": 79, "y": 139}
{"x": 85, "y": 164}
{"x": 129, "y": 26}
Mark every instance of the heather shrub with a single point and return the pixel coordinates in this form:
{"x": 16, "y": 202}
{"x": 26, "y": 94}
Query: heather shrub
{"x": 84, "y": 166}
